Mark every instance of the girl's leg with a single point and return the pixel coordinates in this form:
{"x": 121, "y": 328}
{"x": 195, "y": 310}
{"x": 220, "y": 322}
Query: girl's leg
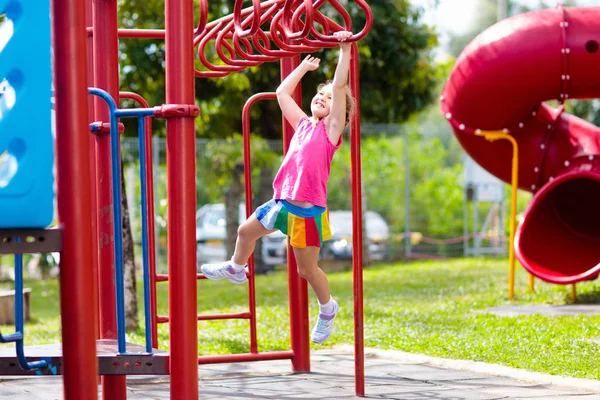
{"x": 248, "y": 233}
{"x": 234, "y": 270}
{"x": 308, "y": 268}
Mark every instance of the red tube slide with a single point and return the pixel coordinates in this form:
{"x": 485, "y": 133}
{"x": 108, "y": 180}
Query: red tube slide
{"x": 500, "y": 82}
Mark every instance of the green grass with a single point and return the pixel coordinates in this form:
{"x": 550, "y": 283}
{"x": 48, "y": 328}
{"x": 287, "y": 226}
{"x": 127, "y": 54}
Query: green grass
{"x": 433, "y": 308}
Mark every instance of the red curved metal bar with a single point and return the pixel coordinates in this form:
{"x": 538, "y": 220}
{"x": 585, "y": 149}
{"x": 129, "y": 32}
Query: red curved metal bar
{"x": 237, "y": 18}
{"x": 203, "y": 17}
{"x": 277, "y": 30}
{"x": 260, "y": 34}
{"x": 248, "y": 59}
{"x": 287, "y": 21}
{"x": 252, "y": 57}
{"x": 266, "y": 39}
{"x": 221, "y": 68}
{"x": 233, "y": 46}
{"x": 210, "y": 32}
{"x": 206, "y": 74}
{"x": 368, "y": 23}
{"x": 328, "y": 26}
{"x": 266, "y": 50}
{"x": 220, "y": 43}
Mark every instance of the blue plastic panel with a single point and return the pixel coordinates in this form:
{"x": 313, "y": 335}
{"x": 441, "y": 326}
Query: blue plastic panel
{"x": 26, "y": 143}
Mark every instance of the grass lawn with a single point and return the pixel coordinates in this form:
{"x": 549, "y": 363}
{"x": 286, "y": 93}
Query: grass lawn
{"x": 433, "y": 308}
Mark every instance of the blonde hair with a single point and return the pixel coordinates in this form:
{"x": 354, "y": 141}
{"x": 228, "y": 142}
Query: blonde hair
{"x": 350, "y": 102}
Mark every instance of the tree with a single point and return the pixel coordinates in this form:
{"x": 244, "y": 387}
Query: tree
{"x": 225, "y": 160}
{"x": 586, "y": 109}
{"x": 430, "y": 123}
{"x": 129, "y": 286}
{"x": 401, "y": 81}
{"x": 396, "y": 68}
{"x": 397, "y": 72}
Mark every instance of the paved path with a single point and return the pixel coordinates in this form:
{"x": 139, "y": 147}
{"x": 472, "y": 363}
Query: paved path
{"x": 389, "y": 375}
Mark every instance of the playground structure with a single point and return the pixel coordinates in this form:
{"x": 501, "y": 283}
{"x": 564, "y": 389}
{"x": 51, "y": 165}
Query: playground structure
{"x": 88, "y": 184}
{"x": 497, "y": 91}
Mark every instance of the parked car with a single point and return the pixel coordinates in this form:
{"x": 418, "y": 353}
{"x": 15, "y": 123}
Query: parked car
{"x": 340, "y": 246}
{"x": 211, "y": 234}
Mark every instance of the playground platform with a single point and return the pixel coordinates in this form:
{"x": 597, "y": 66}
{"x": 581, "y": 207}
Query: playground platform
{"x": 388, "y": 375}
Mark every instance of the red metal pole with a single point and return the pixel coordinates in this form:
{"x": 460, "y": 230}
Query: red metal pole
{"x": 248, "y": 191}
{"x": 248, "y": 195}
{"x": 233, "y": 358}
{"x": 181, "y": 196}
{"x": 298, "y": 288}
{"x": 80, "y": 366}
{"x": 357, "y": 256}
{"x": 92, "y": 161}
{"x": 106, "y": 76}
{"x": 150, "y": 208}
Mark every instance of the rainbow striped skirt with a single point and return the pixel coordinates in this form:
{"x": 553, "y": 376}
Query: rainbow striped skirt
{"x": 304, "y": 226}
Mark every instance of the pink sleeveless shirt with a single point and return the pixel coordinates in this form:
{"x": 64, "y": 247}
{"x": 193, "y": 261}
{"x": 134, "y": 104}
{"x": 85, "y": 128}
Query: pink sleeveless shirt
{"x": 304, "y": 173}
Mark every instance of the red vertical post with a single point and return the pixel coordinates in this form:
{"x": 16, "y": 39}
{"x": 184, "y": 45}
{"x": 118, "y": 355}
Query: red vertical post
{"x": 151, "y": 231}
{"x": 248, "y": 192}
{"x": 357, "y": 256}
{"x": 80, "y": 365}
{"x": 298, "y": 288}
{"x": 181, "y": 196}
{"x": 89, "y": 21}
{"x": 149, "y": 175}
{"x": 106, "y": 77}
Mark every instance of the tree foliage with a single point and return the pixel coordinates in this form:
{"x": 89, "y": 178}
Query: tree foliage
{"x": 222, "y": 157}
{"x": 586, "y": 109}
{"x": 383, "y": 176}
{"x": 396, "y": 68}
{"x": 397, "y": 72}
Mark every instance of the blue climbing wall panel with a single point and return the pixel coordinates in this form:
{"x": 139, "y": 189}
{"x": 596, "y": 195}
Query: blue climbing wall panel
{"x": 26, "y": 143}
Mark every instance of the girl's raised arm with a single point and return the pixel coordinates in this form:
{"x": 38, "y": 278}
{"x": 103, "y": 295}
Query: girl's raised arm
{"x": 336, "y": 121}
{"x": 291, "y": 111}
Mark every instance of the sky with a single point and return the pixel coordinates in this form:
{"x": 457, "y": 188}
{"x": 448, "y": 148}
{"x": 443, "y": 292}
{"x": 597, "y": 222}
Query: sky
{"x": 455, "y": 16}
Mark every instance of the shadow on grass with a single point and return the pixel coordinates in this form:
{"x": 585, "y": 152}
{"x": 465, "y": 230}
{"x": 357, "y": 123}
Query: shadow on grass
{"x": 590, "y": 296}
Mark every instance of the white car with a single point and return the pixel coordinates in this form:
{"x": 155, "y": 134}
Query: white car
{"x": 211, "y": 234}
{"x": 340, "y": 246}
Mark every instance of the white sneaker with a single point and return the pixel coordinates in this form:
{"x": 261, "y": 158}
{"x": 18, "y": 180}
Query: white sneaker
{"x": 224, "y": 270}
{"x": 324, "y": 328}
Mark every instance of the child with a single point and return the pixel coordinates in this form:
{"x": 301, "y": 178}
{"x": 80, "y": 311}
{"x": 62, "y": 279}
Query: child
{"x": 298, "y": 207}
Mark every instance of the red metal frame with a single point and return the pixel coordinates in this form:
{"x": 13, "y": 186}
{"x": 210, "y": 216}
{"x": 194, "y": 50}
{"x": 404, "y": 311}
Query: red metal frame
{"x": 150, "y": 207}
{"x": 106, "y": 76}
{"x": 181, "y": 197}
{"x": 80, "y": 366}
{"x": 298, "y": 288}
{"x": 248, "y": 193}
{"x": 82, "y": 247}
{"x": 357, "y": 242}
{"x": 89, "y": 19}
